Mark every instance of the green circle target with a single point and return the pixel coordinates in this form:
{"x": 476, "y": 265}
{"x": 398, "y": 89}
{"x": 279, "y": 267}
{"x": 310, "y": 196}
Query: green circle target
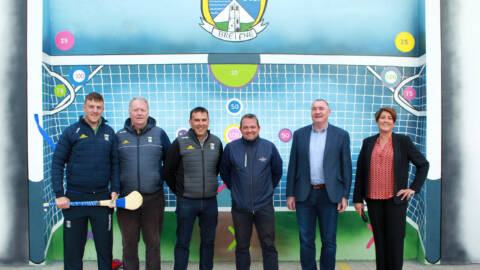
{"x": 60, "y": 90}
{"x": 234, "y": 75}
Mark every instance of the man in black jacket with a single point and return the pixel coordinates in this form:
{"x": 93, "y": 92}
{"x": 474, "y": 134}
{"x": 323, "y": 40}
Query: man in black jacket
{"x": 142, "y": 151}
{"x": 191, "y": 170}
{"x": 251, "y": 168}
{"x": 89, "y": 151}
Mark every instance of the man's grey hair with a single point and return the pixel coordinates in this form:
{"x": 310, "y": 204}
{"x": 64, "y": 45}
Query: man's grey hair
{"x": 138, "y": 98}
{"x": 321, "y": 99}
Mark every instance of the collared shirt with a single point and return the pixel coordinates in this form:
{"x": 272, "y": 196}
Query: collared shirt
{"x": 317, "y": 150}
{"x": 381, "y": 171}
{"x": 203, "y": 141}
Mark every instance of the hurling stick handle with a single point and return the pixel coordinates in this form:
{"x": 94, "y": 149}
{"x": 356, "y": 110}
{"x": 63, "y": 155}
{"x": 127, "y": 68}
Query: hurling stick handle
{"x": 87, "y": 203}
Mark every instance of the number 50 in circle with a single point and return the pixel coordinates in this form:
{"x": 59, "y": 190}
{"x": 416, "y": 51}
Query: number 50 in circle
{"x": 234, "y": 106}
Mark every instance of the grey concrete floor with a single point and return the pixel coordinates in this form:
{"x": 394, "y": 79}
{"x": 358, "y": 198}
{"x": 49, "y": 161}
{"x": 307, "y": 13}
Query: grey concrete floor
{"x": 348, "y": 265}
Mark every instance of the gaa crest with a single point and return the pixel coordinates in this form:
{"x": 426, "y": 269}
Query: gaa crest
{"x": 233, "y": 20}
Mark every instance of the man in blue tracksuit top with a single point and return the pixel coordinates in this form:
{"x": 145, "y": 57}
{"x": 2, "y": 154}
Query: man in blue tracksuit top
{"x": 251, "y": 168}
{"x": 89, "y": 151}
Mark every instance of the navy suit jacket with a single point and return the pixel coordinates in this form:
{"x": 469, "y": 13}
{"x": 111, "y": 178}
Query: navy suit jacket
{"x": 404, "y": 151}
{"x": 337, "y": 164}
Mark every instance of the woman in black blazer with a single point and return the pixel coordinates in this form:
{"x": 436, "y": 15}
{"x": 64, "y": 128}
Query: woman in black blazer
{"x": 382, "y": 181}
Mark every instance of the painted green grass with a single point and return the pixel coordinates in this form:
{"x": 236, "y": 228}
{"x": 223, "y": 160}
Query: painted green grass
{"x": 224, "y": 26}
{"x": 352, "y": 238}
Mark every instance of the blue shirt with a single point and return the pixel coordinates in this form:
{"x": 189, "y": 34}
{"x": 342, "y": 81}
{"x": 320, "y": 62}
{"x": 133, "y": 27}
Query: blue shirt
{"x": 317, "y": 149}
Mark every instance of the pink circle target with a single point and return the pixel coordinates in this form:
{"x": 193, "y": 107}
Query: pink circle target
{"x": 234, "y": 134}
{"x": 285, "y": 135}
{"x": 409, "y": 93}
{"x": 64, "y": 40}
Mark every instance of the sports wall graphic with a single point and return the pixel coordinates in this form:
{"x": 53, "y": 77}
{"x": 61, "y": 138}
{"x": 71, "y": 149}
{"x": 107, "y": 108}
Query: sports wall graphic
{"x": 270, "y": 58}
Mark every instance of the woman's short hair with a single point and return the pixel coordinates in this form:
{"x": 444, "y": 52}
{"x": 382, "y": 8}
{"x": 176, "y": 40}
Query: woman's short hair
{"x": 390, "y": 110}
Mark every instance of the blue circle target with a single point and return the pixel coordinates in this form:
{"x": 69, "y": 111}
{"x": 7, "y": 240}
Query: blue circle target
{"x": 234, "y": 106}
{"x": 79, "y": 75}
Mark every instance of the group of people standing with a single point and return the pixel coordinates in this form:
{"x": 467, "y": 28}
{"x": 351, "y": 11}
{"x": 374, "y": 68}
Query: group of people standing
{"x": 102, "y": 165}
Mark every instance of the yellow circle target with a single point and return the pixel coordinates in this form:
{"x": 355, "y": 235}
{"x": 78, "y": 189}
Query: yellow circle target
{"x": 405, "y": 42}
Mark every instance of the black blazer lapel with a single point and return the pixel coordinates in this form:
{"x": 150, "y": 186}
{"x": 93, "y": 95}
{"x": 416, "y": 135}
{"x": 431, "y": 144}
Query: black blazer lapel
{"x": 370, "y": 146}
{"x": 396, "y": 159}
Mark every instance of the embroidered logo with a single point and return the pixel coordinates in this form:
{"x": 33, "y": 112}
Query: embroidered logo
{"x": 262, "y": 159}
{"x": 83, "y": 136}
{"x": 233, "y": 20}
{"x": 107, "y": 137}
{"x": 212, "y": 146}
{"x": 190, "y": 147}
{"x": 149, "y": 139}
{"x": 125, "y": 142}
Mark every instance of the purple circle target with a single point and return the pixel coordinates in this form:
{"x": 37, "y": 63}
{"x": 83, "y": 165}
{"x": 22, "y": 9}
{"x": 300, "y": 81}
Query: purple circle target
{"x": 182, "y": 132}
{"x": 285, "y": 135}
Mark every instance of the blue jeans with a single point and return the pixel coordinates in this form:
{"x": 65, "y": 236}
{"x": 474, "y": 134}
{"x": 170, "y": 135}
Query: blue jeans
{"x": 264, "y": 220}
{"x": 187, "y": 211}
{"x": 318, "y": 206}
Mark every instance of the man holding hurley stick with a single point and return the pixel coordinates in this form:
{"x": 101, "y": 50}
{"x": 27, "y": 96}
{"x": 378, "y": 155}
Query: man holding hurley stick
{"x": 89, "y": 151}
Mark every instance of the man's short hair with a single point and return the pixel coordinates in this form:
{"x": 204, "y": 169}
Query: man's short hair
{"x": 198, "y": 109}
{"x": 94, "y": 96}
{"x": 321, "y": 99}
{"x": 138, "y": 98}
{"x": 249, "y": 116}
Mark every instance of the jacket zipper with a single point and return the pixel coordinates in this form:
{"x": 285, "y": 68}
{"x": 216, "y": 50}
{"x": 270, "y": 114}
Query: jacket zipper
{"x": 203, "y": 168}
{"x": 251, "y": 178}
{"x": 138, "y": 163}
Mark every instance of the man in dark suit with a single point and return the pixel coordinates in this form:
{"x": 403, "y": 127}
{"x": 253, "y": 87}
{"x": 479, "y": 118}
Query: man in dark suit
{"x": 318, "y": 184}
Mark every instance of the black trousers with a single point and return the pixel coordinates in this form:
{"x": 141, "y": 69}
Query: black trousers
{"x": 75, "y": 229}
{"x": 388, "y": 222}
{"x": 148, "y": 219}
{"x": 264, "y": 220}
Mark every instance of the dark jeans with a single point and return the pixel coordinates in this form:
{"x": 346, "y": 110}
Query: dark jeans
{"x": 388, "y": 223}
{"x": 187, "y": 211}
{"x": 318, "y": 206}
{"x": 149, "y": 219}
{"x": 75, "y": 229}
{"x": 264, "y": 220}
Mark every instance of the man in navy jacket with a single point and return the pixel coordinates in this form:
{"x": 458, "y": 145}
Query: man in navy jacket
{"x": 251, "y": 168}
{"x": 318, "y": 184}
{"x": 89, "y": 151}
{"x": 142, "y": 150}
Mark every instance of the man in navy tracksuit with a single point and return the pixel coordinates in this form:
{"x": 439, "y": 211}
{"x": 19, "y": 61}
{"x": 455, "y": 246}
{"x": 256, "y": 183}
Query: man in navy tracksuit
{"x": 251, "y": 168}
{"x": 142, "y": 150}
{"x": 89, "y": 150}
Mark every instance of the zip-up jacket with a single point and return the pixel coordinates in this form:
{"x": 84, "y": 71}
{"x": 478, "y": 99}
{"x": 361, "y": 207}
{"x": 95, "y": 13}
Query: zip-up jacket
{"x": 251, "y": 170}
{"x": 191, "y": 169}
{"x": 91, "y": 159}
{"x": 141, "y": 157}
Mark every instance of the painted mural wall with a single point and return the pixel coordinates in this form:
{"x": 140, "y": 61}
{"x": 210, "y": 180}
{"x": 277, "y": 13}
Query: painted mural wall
{"x": 180, "y": 54}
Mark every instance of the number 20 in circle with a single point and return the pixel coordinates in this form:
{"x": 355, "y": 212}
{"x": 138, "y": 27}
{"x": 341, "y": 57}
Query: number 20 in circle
{"x": 234, "y": 106}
